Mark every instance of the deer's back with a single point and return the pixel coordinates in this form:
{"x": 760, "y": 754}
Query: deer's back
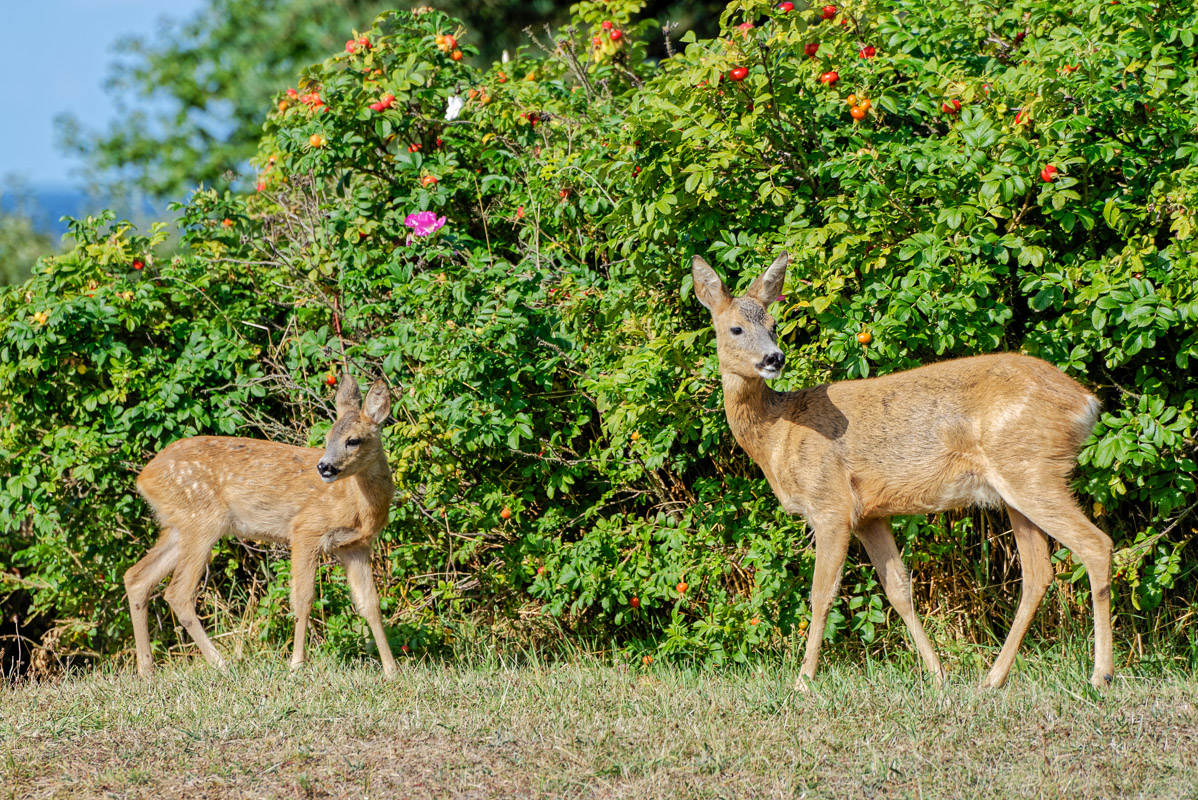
{"x": 249, "y": 487}
{"x": 936, "y": 437}
{"x": 989, "y": 401}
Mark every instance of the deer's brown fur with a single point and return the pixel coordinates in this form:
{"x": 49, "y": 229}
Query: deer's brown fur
{"x": 334, "y": 501}
{"x": 991, "y": 430}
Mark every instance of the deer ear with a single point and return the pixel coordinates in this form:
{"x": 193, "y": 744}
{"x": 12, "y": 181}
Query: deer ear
{"x": 378, "y": 403}
{"x": 768, "y": 286}
{"x": 349, "y": 396}
{"x": 710, "y": 290}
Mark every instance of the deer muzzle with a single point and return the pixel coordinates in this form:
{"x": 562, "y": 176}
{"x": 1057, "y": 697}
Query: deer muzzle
{"x": 328, "y": 473}
{"x": 771, "y": 365}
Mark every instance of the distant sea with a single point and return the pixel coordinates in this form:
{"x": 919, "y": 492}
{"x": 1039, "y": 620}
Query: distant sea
{"x": 48, "y": 205}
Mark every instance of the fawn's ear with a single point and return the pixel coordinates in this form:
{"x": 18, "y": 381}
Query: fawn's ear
{"x": 349, "y": 396}
{"x": 768, "y": 285}
{"x": 710, "y": 290}
{"x": 378, "y": 403}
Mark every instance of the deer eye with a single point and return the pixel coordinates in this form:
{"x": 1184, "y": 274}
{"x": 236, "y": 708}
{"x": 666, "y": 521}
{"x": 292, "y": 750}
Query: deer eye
{"x": 352, "y": 442}
{"x": 737, "y": 330}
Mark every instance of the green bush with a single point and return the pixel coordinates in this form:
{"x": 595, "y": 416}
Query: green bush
{"x": 545, "y": 361}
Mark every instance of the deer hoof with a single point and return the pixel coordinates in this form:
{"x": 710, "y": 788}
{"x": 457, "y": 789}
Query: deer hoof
{"x": 993, "y": 681}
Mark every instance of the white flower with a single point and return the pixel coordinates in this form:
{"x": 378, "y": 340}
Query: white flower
{"x": 453, "y": 108}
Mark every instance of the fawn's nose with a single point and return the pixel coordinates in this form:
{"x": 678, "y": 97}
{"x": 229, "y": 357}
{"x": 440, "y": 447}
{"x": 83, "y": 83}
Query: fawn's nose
{"x": 774, "y": 360}
{"x": 327, "y": 471}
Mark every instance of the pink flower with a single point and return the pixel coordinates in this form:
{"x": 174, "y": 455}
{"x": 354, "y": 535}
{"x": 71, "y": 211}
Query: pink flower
{"x": 424, "y": 223}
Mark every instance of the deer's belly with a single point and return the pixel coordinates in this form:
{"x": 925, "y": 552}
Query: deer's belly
{"x": 962, "y": 490}
{"x": 262, "y": 521}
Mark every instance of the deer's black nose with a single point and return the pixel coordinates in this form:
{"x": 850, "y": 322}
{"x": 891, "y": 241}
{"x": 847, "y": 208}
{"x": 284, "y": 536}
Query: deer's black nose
{"x": 327, "y": 470}
{"x": 775, "y": 359}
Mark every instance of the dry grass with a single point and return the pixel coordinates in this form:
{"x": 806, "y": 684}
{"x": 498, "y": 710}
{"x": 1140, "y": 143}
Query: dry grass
{"x": 482, "y": 728}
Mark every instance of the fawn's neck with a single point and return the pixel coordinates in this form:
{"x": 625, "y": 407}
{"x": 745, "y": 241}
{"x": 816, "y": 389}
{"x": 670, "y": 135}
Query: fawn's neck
{"x": 374, "y": 488}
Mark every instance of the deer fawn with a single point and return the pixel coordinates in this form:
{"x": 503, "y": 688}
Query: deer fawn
{"x": 987, "y": 430}
{"x": 332, "y": 501}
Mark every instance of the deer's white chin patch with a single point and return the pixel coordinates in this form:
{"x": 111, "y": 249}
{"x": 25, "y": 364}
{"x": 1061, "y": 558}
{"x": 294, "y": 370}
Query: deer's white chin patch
{"x": 769, "y": 373}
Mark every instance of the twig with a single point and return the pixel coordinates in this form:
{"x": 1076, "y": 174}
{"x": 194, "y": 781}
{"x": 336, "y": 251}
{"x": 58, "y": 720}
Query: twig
{"x": 665, "y": 30}
{"x": 1122, "y": 389}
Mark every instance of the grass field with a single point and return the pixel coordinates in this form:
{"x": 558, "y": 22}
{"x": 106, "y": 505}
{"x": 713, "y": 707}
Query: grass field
{"x": 577, "y": 727}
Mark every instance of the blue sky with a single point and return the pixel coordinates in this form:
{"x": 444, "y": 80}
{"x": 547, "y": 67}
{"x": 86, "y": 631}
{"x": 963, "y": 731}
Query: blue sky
{"x": 54, "y": 55}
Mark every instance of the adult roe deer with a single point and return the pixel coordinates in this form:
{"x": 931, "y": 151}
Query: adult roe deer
{"x": 317, "y": 501}
{"x": 987, "y": 430}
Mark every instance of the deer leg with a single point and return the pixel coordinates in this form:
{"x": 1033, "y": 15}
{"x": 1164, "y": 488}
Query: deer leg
{"x": 1059, "y": 517}
{"x": 304, "y": 558}
{"x": 181, "y": 594}
{"x": 1037, "y": 576}
{"x": 366, "y": 599}
{"x": 831, "y": 547}
{"x": 884, "y": 553}
{"x": 141, "y": 580}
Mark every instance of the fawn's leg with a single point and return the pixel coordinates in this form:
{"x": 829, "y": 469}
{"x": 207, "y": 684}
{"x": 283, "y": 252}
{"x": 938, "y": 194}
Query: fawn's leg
{"x": 141, "y": 580}
{"x": 884, "y": 553}
{"x": 194, "y": 553}
{"x": 304, "y": 558}
{"x": 361, "y": 585}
